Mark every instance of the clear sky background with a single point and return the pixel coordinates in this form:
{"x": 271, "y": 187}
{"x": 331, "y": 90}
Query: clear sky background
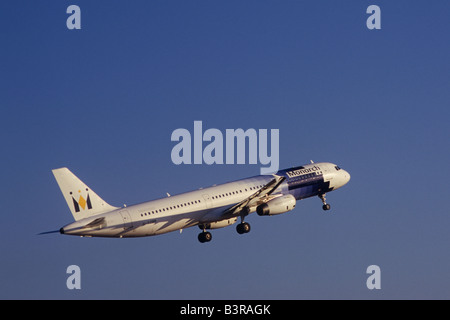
{"x": 105, "y": 99}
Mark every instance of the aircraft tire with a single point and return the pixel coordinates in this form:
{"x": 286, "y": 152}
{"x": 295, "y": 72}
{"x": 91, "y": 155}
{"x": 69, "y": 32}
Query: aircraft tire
{"x": 242, "y": 228}
{"x": 204, "y": 237}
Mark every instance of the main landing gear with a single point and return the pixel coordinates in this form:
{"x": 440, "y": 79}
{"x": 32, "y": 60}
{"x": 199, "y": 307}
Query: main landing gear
{"x": 325, "y": 206}
{"x": 243, "y": 227}
{"x": 205, "y": 236}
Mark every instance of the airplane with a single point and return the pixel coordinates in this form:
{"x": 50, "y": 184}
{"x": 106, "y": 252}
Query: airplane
{"x": 209, "y": 208}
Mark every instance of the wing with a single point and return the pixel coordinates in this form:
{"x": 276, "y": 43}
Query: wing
{"x": 260, "y": 196}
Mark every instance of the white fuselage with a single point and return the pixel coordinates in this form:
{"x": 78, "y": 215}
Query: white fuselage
{"x": 206, "y": 206}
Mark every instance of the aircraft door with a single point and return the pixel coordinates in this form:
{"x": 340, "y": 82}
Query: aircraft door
{"x": 207, "y": 201}
{"x": 127, "y": 222}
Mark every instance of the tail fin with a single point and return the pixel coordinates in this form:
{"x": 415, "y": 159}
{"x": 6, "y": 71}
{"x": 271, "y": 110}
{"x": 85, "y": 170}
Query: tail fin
{"x": 82, "y": 201}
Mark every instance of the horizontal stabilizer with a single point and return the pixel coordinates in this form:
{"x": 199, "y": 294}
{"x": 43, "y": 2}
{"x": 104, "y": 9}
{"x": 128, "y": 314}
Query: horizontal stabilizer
{"x": 97, "y": 223}
{"x": 48, "y": 232}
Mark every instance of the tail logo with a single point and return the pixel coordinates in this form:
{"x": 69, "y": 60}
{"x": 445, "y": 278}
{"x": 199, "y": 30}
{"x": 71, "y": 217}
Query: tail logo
{"x": 82, "y": 202}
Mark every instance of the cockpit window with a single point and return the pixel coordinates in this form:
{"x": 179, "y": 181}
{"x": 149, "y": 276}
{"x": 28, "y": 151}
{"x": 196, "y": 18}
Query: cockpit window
{"x": 337, "y": 168}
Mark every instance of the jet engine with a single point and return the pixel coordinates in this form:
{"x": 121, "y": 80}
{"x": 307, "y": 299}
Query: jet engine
{"x": 276, "y": 206}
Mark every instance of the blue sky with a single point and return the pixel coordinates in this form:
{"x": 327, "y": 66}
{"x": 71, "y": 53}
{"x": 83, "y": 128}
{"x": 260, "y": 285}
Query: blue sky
{"x": 105, "y": 99}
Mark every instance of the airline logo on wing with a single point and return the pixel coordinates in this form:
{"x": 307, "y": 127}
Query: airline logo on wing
{"x": 82, "y": 202}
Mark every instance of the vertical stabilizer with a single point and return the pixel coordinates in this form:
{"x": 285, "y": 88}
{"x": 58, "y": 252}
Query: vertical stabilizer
{"x": 82, "y": 201}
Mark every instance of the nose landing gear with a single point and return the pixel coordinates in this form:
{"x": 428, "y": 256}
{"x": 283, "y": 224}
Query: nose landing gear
{"x": 326, "y": 206}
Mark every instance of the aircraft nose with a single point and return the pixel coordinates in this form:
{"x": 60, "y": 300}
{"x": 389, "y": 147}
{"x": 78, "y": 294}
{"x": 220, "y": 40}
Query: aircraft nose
{"x": 346, "y": 176}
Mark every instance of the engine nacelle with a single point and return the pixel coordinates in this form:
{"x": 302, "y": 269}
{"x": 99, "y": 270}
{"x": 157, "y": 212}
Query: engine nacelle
{"x": 217, "y": 224}
{"x": 276, "y": 206}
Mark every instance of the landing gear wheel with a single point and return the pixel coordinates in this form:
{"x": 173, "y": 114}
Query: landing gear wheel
{"x": 242, "y": 228}
{"x": 204, "y": 237}
{"x": 326, "y": 207}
